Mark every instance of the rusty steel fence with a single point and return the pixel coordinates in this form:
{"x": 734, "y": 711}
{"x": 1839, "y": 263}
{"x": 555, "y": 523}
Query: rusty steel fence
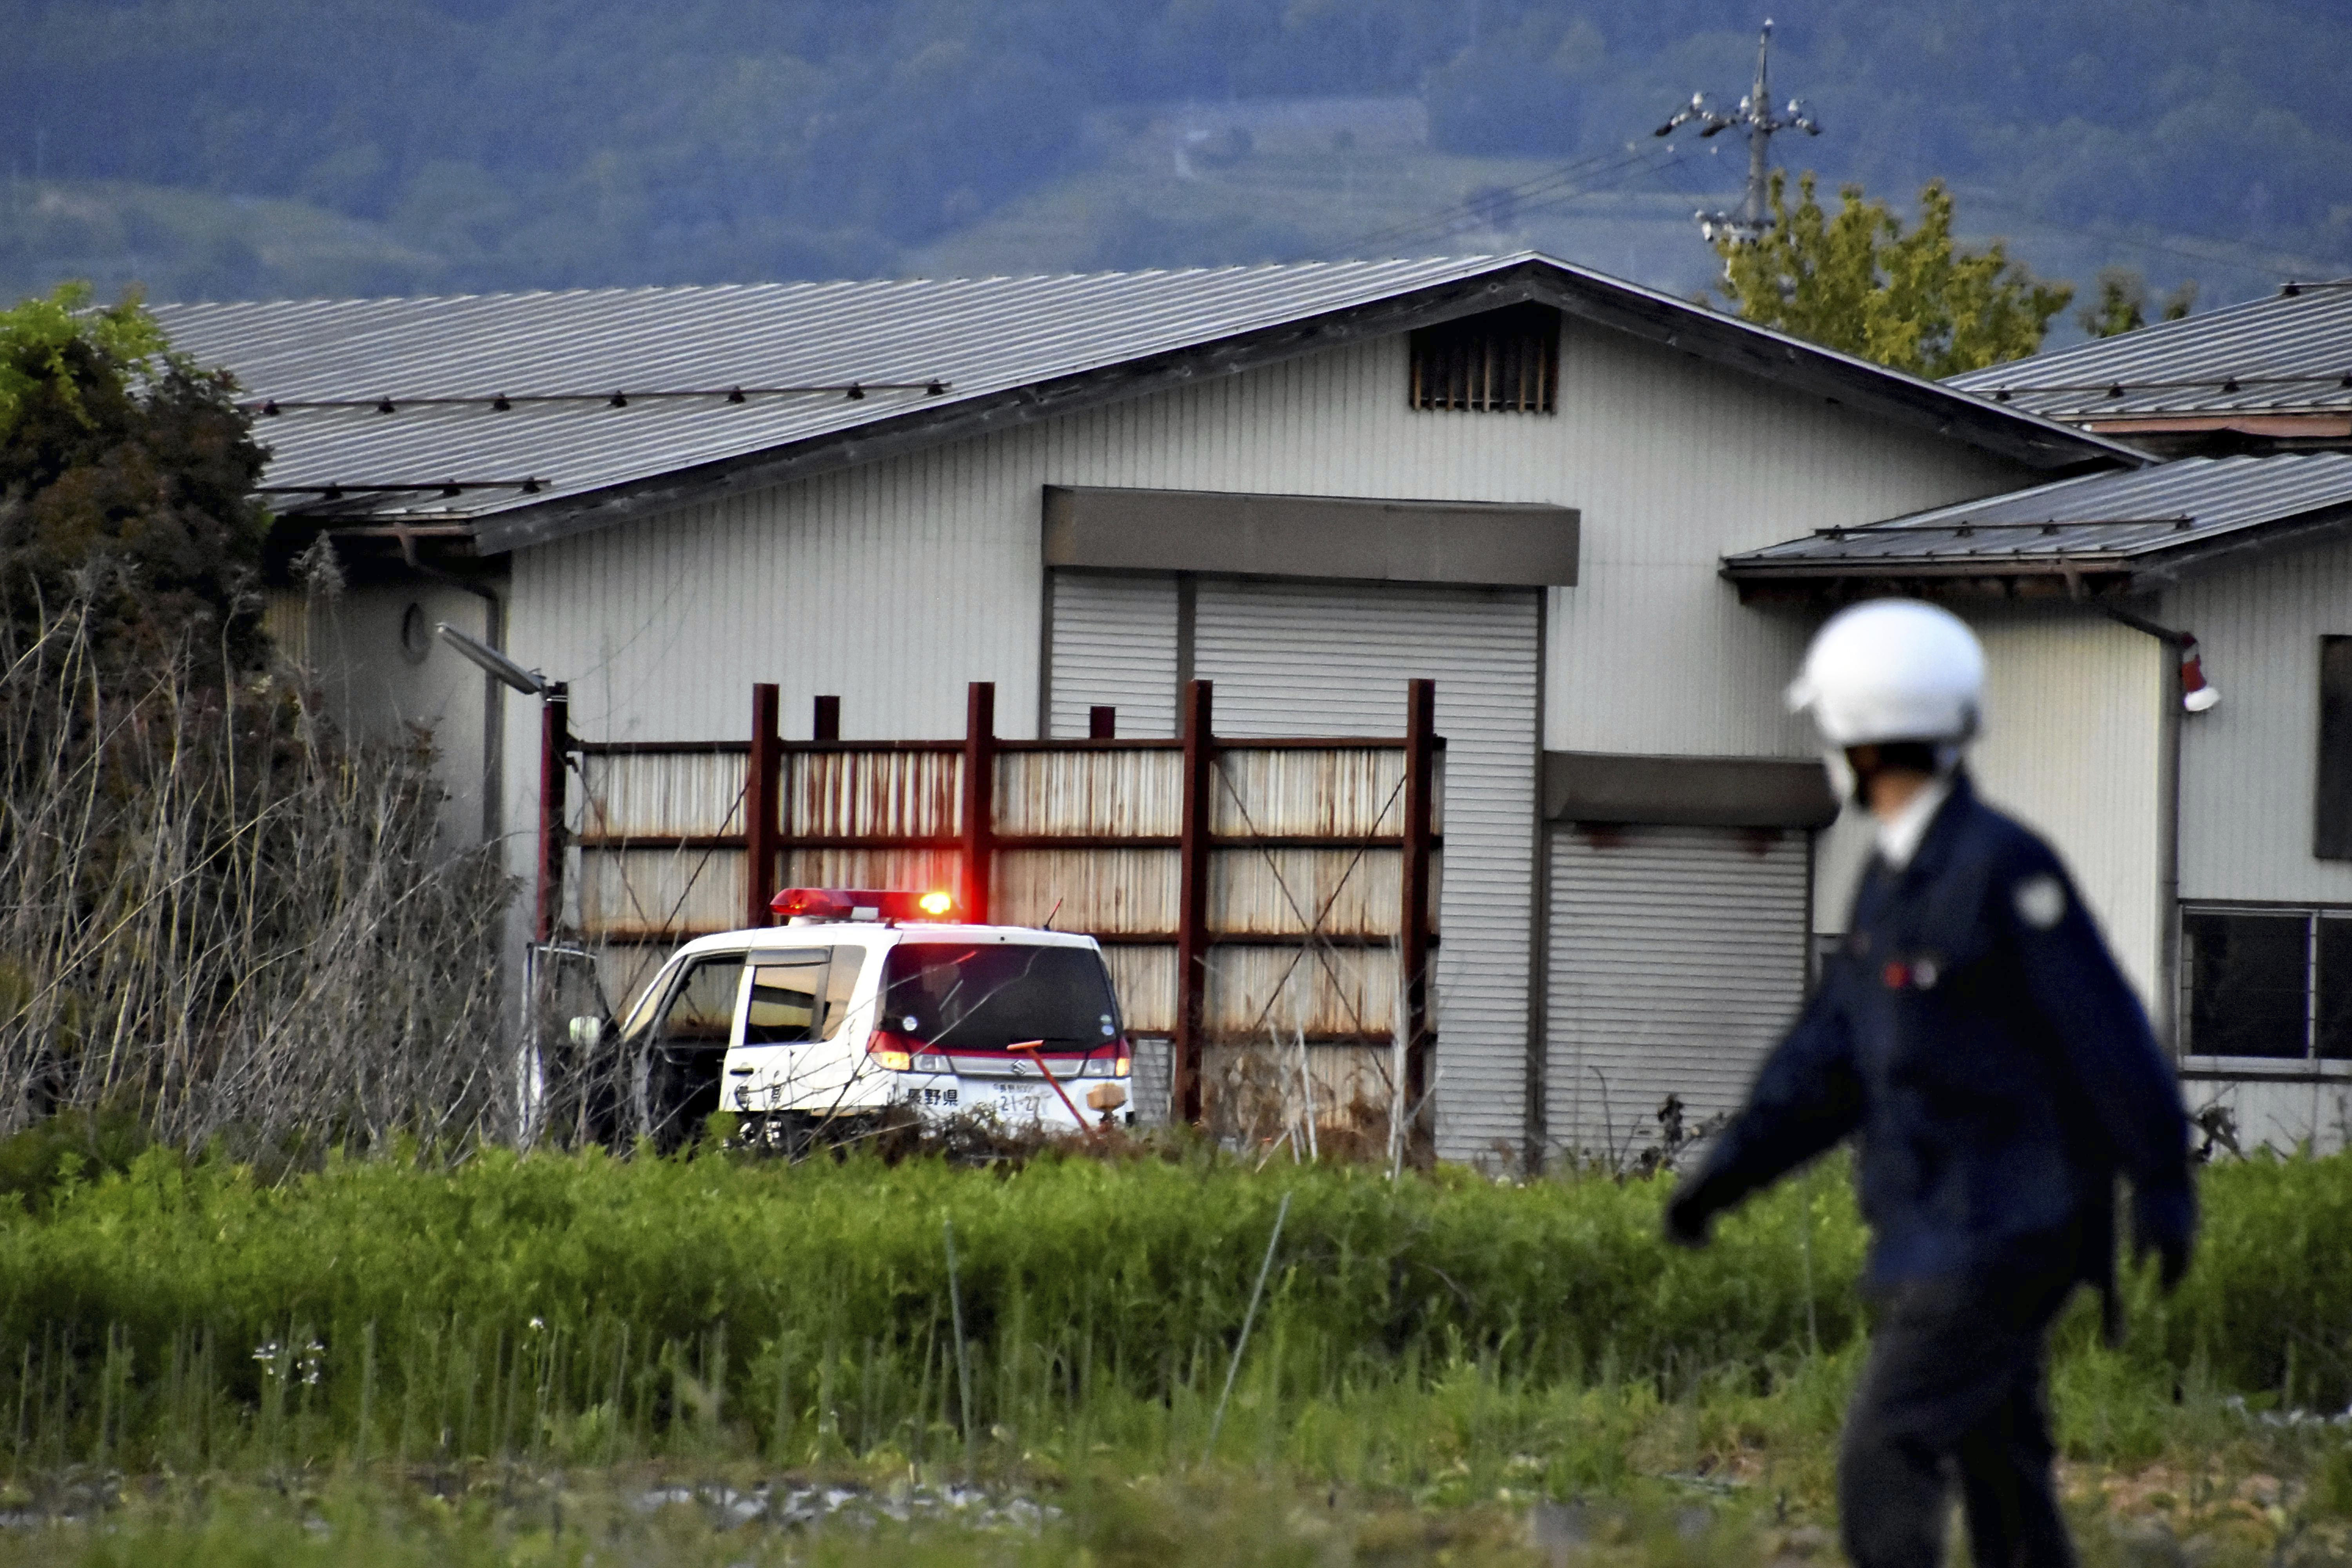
{"x": 1268, "y": 906}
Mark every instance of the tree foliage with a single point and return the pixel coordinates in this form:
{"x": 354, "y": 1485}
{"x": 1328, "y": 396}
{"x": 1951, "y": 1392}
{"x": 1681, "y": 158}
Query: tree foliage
{"x": 126, "y": 481}
{"x": 2121, "y": 304}
{"x": 1854, "y": 280}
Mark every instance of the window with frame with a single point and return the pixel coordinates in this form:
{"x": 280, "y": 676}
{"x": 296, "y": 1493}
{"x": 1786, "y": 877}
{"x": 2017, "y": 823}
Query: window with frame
{"x": 2269, "y": 984}
{"x": 1498, "y": 361}
{"x": 2331, "y": 835}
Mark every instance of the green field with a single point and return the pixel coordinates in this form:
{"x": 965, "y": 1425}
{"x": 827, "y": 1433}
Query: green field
{"x": 552, "y": 1357}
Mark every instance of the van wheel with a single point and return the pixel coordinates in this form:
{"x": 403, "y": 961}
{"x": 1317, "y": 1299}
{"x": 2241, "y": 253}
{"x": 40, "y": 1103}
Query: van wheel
{"x": 663, "y": 1092}
{"x": 788, "y": 1134}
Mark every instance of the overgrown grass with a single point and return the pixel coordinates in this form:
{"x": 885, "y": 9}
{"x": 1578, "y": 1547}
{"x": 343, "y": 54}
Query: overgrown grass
{"x": 1444, "y": 1332}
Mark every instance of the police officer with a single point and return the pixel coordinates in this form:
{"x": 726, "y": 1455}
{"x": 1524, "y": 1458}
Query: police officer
{"x": 1975, "y": 1036}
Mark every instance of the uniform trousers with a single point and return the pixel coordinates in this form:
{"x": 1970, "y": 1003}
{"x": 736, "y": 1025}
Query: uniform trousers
{"x": 1953, "y": 1388}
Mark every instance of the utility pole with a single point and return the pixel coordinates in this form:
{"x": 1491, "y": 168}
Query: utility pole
{"x": 1756, "y": 116}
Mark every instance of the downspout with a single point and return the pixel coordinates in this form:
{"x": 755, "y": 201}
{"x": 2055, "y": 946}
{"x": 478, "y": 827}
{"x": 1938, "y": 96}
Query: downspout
{"x": 2167, "y": 987}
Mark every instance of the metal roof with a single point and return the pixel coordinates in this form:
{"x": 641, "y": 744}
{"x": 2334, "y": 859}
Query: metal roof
{"x": 526, "y": 416}
{"x": 2120, "y": 529}
{"x": 2289, "y": 354}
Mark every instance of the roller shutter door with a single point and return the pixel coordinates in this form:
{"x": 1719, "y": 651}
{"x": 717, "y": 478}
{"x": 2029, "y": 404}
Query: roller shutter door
{"x": 1677, "y": 959}
{"x": 1114, "y": 643}
{"x": 1303, "y": 658}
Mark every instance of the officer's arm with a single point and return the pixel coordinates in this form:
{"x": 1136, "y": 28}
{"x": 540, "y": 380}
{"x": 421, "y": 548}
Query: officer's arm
{"x": 2123, "y": 1077}
{"x": 1805, "y": 1100}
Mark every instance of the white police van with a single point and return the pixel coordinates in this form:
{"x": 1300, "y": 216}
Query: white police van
{"x": 867, "y": 1003}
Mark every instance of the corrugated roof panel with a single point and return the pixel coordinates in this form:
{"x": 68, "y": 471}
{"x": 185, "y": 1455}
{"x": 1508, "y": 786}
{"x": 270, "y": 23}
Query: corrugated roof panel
{"x": 977, "y": 336}
{"x": 983, "y": 339}
{"x": 2286, "y": 353}
{"x": 2118, "y": 516}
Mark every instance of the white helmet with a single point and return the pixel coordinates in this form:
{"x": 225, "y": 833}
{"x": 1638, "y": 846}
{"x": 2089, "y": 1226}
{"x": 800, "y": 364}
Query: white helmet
{"x": 1892, "y": 670}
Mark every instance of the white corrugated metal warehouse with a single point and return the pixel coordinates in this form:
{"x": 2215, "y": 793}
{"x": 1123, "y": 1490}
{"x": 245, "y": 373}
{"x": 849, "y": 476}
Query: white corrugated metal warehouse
{"x": 1305, "y": 484}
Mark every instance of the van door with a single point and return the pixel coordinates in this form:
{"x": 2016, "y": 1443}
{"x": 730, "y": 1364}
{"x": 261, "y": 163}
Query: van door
{"x": 790, "y": 1048}
{"x": 676, "y": 1068}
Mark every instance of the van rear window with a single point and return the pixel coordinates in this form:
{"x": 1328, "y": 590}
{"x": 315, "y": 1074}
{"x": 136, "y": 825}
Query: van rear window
{"x": 984, "y": 997}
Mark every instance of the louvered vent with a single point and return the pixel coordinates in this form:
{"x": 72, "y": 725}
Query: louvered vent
{"x": 1503, "y": 361}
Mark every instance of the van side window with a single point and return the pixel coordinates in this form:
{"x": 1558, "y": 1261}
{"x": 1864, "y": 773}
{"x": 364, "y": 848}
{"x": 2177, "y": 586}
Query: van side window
{"x": 702, "y": 1004}
{"x": 785, "y": 990}
{"x": 840, "y": 983}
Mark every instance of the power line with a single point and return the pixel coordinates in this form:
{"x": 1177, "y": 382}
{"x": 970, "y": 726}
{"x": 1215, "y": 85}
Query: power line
{"x": 1603, "y": 171}
{"x": 1478, "y": 204}
{"x": 2246, "y": 253}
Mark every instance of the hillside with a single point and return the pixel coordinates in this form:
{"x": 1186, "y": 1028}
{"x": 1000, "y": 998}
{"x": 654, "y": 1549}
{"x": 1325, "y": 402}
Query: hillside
{"x": 219, "y": 148}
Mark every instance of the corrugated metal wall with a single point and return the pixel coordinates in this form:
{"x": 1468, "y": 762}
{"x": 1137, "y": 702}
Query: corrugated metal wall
{"x": 353, "y": 647}
{"x": 1127, "y": 628}
{"x": 1331, "y": 660}
{"x": 2073, "y": 744}
{"x": 2249, "y": 767}
{"x": 893, "y": 584}
{"x": 1677, "y": 960}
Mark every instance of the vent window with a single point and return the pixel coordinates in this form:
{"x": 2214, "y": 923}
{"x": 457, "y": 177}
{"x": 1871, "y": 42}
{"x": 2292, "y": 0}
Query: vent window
{"x": 2332, "y": 829}
{"x": 2271, "y": 984}
{"x": 1503, "y": 361}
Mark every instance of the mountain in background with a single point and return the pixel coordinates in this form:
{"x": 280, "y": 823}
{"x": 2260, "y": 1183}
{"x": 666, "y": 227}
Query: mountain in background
{"x": 237, "y": 148}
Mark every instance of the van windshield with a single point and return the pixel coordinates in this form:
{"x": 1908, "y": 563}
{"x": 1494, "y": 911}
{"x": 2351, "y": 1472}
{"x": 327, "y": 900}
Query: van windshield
{"x": 985, "y": 996}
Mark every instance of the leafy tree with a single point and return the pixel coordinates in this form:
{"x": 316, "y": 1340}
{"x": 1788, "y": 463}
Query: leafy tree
{"x": 2121, "y": 304}
{"x": 1857, "y": 281}
{"x": 126, "y": 481}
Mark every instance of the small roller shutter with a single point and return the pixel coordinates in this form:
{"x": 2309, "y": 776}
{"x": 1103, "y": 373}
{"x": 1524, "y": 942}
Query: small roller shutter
{"x": 1677, "y": 960}
{"x": 1308, "y": 659}
{"x": 1113, "y": 643}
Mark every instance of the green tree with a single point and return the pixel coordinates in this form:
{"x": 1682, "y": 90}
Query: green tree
{"x": 2121, "y": 304}
{"x": 126, "y": 481}
{"x": 1857, "y": 281}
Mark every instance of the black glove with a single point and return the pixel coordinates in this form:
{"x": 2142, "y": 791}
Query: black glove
{"x": 2164, "y": 1221}
{"x": 1689, "y": 1213}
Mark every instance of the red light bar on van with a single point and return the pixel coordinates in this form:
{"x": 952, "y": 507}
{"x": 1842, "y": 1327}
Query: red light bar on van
{"x": 888, "y": 904}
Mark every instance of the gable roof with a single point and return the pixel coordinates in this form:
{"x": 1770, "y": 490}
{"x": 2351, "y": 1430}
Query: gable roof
{"x": 2289, "y": 355}
{"x": 518, "y": 418}
{"x": 2122, "y": 533}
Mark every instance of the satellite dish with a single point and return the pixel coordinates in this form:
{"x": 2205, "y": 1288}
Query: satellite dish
{"x": 493, "y": 663}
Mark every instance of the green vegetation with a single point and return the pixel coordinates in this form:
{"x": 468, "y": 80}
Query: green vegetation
{"x": 2121, "y": 304}
{"x": 218, "y": 919}
{"x": 1854, "y": 280}
{"x": 449, "y": 1362}
{"x": 126, "y": 479}
{"x": 595, "y": 1308}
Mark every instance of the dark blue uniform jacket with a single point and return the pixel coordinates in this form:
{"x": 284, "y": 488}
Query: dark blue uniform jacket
{"x": 1975, "y": 1035}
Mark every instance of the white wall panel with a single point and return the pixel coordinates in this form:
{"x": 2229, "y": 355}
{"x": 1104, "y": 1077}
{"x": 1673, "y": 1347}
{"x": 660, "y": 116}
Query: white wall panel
{"x": 351, "y": 646}
{"x": 2249, "y": 767}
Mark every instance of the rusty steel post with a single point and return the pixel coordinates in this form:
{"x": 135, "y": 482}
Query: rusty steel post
{"x": 1413, "y": 925}
{"x": 825, "y": 724}
{"x": 762, "y": 773}
{"x": 979, "y": 797}
{"x": 1184, "y": 1095}
{"x": 1102, "y": 724}
{"x": 555, "y": 755}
